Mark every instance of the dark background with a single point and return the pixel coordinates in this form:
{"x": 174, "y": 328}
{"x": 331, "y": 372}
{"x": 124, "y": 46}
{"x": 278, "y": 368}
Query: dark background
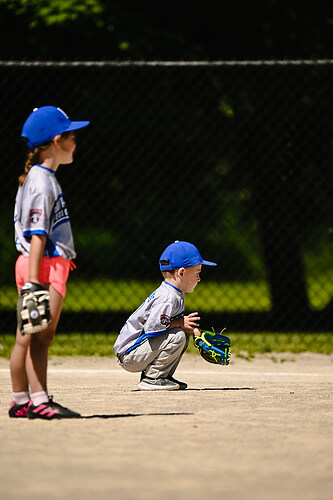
{"x": 118, "y": 30}
{"x": 236, "y": 158}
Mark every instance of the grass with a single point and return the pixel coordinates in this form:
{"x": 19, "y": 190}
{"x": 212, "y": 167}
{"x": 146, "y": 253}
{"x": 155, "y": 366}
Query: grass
{"x": 244, "y": 345}
{"x": 125, "y": 296}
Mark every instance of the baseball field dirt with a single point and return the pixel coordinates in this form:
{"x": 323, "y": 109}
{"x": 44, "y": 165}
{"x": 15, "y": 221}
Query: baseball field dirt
{"x": 259, "y": 429}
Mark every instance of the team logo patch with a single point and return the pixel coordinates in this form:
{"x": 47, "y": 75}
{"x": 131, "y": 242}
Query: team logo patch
{"x": 165, "y": 319}
{"x": 35, "y": 215}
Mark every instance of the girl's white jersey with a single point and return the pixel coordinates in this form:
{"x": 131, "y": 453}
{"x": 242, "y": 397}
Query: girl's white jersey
{"x": 40, "y": 209}
{"x": 152, "y": 318}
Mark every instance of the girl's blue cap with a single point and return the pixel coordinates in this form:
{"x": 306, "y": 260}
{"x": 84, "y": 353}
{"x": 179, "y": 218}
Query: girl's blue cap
{"x": 45, "y": 123}
{"x": 181, "y": 254}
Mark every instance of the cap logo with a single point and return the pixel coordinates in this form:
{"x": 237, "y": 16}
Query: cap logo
{"x": 63, "y": 112}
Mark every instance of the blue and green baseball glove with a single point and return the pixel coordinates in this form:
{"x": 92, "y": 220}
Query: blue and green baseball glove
{"x": 213, "y": 347}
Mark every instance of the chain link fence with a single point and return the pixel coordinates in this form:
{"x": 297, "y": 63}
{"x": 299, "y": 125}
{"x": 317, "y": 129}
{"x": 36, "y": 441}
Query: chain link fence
{"x": 233, "y": 157}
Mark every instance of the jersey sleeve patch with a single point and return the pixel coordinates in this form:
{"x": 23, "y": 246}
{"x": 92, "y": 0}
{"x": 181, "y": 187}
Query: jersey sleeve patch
{"x": 165, "y": 320}
{"x": 35, "y": 215}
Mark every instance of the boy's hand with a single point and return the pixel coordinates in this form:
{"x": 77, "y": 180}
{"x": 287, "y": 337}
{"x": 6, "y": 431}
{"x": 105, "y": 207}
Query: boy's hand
{"x": 197, "y": 332}
{"x": 191, "y": 324}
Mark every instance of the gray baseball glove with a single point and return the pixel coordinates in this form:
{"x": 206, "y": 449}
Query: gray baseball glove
{"x": 33, "y": 311}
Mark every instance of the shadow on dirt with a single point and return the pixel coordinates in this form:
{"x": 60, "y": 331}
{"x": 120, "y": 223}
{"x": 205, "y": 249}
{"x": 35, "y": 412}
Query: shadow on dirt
{"x": 224, "y": 389}
{"x": 129, "y": 415}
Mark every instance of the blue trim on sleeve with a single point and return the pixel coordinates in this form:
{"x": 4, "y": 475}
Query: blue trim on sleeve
{"x": 35, "y": 231}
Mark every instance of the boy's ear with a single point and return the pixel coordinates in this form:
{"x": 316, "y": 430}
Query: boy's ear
{"x": 181, "y": 271}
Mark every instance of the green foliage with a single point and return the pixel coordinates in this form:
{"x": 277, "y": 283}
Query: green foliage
{"x": 150, "y": 32}
{"x": 53, "y": 12}
{"x": 6, "y": 345}
{"x": 226, "y": 109}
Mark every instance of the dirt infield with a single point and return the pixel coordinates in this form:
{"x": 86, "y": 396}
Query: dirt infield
{"x": 253, "y": 430}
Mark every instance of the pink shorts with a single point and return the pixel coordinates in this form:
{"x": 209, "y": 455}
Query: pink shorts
{"x": 53, "y": 270}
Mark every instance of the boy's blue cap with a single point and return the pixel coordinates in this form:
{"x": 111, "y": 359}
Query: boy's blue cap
{"x": 45, "y": 123}
{"x": 181, "y": 254}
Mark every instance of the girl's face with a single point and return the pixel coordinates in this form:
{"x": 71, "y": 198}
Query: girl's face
{"x": 67, "y": 147}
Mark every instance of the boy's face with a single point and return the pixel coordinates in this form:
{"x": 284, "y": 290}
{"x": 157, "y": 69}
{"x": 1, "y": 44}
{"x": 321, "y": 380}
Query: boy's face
{"x": 190, "y": 277}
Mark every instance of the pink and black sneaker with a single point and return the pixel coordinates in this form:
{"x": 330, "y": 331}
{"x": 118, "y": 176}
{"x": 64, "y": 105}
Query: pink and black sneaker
{"x": 50, "y": 411}
{"x": 18, "y": 411}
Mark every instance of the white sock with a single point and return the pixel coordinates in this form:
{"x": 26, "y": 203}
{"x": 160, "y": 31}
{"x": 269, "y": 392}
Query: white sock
{"x": 39, "y": 397}
{"x": 21, "y": 397}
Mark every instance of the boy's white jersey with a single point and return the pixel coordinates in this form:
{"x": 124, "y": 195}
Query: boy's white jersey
{"x": 152, "y": 318}
{"x": 40, "y": 209}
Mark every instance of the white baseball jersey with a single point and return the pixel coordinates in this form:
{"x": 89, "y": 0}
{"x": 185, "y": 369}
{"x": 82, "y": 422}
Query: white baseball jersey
{"x": 152, "y": 318}
{"x": 40, "y": 209}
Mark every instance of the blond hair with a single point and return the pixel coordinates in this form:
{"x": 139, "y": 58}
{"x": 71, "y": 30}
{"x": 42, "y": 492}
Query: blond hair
{"x": 34, "y": 157}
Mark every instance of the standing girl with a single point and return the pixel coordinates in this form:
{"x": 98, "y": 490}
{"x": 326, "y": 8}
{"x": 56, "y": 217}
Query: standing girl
{"x": 44, "y": 238}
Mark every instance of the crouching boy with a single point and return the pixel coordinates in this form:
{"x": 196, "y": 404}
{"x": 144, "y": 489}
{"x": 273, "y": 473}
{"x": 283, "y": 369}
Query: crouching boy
{"x": 156, "y": 335}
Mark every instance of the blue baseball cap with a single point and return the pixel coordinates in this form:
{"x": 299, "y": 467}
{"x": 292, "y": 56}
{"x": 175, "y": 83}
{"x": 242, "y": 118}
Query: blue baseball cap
{"x": 45, "y": 123}
{"x": 181, "y": 254}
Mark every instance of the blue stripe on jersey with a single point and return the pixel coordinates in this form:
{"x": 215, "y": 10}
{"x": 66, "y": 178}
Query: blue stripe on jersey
{"x": 50, "y": 249}
{"x": 59, "y": 196}
{"x": 144, "y": 336}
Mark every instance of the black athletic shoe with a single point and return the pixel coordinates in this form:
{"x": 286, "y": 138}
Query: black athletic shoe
{"x": 18, "y": 411}
{"x": 182, "y": 385}
{"x": 50, "y": 411}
